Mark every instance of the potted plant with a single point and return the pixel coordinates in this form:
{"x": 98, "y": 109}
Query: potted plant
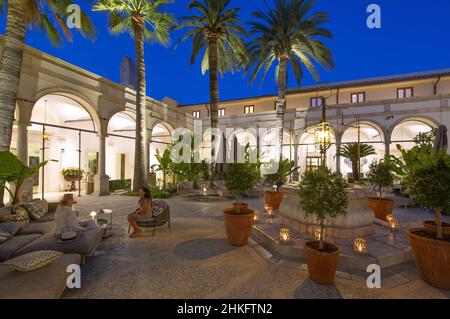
{"x": 72, "y": 174}
{"x": 240, "y": 178}
{"x": 14, "y": 172}
{"x": 354, "y": 152}
{"x": 429, "y": 182}
{"x": 322, "y": 194}
{"x": 381, "y": 176}
{"x": 274, "y": 197}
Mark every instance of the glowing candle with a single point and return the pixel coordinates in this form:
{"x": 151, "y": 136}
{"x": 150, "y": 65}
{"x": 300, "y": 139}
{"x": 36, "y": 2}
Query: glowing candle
{"x": 360, "y": 246}
{"x": 394, "y": 226}
{"x": 284, "y": 235}
{"x": 389, "y": 218}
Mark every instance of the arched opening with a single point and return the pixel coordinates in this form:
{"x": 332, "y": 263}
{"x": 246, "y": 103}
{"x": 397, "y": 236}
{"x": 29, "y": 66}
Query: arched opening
{"x": 369, "y": 134}
{"x": 63, "y": 133}
{"x": 120, "y": 146}
{"x": 404, "y": 133}
{"x": 309, "y": 157}
{"x": 161, "y": 139}
{"x": 268, "y": 145}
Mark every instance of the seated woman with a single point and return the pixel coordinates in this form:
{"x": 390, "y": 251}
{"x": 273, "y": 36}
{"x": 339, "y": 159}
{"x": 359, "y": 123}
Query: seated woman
{"x": 66, "y": 219}
{"x": 143, "y": 213}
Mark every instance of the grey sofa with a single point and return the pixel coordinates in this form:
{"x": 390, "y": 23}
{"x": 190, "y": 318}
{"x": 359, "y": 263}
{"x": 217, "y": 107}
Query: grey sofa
{"x": 48, "y": 282}
{"x": 39, "y": 235}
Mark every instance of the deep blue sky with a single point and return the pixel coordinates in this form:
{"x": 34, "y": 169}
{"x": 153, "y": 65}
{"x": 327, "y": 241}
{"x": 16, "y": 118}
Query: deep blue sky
{"x": 414, "y": 37}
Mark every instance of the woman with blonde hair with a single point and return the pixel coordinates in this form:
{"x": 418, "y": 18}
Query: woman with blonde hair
{"x": 66, "y": 218}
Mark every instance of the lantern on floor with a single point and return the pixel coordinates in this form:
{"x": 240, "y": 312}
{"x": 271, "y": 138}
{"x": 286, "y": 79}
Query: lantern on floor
{"x": 389, "y": 218}
{"x": 204, "y": 190}
{"x": 316, "y": 234}
{"x": 269, "y": 211}
{"x": 394, "y": 226}
{"x": 256, "y": 217}
{"x": 360, "y": 246}
{"x": 93, "y": 215}
{"x": 284, "y": 235}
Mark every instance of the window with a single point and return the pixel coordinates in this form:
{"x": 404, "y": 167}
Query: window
{"x": 221, "y": 112}
{"x": 196, "y": 114}
{"x": 316, "y": 102}
{"x": 358, "y": 97}
{"x": 404, "y": 93}
{"x": 249, "y": 109}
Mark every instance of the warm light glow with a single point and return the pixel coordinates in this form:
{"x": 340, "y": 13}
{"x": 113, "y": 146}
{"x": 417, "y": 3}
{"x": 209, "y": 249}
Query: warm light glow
{"x": 394, "y": 226}
{"x": 323, "y": 136}
{"x": 93, "y": 215}
{"x": 204, "y": 190}
{"x": 274, "y": 188}
{"x": 256, "y": 217}
{"x": 389, "y": 218}
{"x": 269, "y": 211}
{"x": 285, "y": 235}
{"x": 360, "y": 246}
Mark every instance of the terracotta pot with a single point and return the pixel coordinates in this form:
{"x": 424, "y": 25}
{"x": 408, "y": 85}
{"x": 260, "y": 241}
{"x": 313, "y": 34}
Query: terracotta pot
{"x": 238, "y": 226}
{"x": 241, "y": 205}
{"x": 273, "y": 199}
{"x": 432, "y": 258}
{"x": 321, "y": 264}
{"x": 431, "y": 225}
{"x": 381, "y": 207}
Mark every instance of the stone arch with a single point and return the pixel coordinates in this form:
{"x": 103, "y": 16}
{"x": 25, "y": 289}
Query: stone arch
{"x": 372, "y": 123}
{"x": 432, "y": 123}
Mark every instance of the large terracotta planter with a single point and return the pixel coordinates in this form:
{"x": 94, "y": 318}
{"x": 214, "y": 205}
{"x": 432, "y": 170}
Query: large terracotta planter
{"x": 238, "y": 226}
{"x": 381, "y": 207}
{"x": 273, "y": 199}
{"x": 431, "y": 225}
{"x": 432, "y": 258}
{"x": 321, "y": 264}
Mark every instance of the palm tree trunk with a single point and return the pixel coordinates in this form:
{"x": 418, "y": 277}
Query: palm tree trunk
{"x": 140, "y": 167}
{"x": 281, "y": 105}
{"x": 10, "y": 66}
{"x": 214, "y": 96}
{"x": 355, "y": 170}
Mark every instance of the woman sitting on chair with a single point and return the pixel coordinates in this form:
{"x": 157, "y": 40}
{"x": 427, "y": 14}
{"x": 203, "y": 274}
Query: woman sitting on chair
{"x": 143, "y": 213}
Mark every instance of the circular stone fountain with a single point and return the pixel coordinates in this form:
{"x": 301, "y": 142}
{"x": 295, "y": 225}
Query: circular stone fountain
{"x": 358, "y": 222}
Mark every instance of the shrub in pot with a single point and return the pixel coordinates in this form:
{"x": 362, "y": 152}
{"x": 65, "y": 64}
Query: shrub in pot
{"x": 240, "y": 178}
{"x": 429, "y": 182}
{"x": 322, "y": 194}
{"x": 381, "y": 176}
{"x": 274, "y": 197}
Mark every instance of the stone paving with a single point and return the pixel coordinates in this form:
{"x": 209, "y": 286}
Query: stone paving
{"x": 194, "y": 260}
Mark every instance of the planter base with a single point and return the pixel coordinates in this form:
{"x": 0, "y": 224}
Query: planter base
{"x": 381, "y": 207}
{"x": 238, "y": 227}
{"x": 273, "y": 199}
{"x": 321, "y": 264}
{"x": 431, "y": 225}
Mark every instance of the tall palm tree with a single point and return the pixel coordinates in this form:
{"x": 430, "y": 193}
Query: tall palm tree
{"x": 48, "y": 15}
{"x": 216, "y": 31}
{"x": 288, "y": 34}
{"x": 351, "y": 152}
{"x": 144, "y": 20}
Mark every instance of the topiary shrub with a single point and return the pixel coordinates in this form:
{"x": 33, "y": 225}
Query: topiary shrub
{"x": 381, "y": 175}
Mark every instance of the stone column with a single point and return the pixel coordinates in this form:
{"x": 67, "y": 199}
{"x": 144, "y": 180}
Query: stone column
{"x": 101, "y": 180}
{"x": 338, "y": 151}
{"x": 22, "y": 153}
{"x": 296, "y": 174}
{"x": 387, "y": 145}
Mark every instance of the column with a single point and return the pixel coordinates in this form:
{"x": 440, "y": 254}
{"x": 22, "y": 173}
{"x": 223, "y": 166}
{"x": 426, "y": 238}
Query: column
{"x": 22, "y": 153}
{"x": 338, "y": 151}
{"x": 296, "y": 175}
{"x": 387, "y": 145}
{"x": 101, "y": 180}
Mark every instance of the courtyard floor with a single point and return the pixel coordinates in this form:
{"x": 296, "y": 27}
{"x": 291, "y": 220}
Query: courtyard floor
{"x": 194, "y": 260}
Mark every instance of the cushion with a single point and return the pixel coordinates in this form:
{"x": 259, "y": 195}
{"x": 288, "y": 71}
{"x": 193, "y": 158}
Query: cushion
{"x": 15, "y": 243}
{"x": 49, "y": 217}
{"x": 4, "y": 236}
{"x": 20, "y": 215}
{"x": 33, "y": 261}
{"x": 37, "y": 228}
{"x": 5, "y": 211}
{"x": 34, "y": 209}
{"x": 45, "y": 283}
{"x": 11, "y": 227}
{"x": 40, "y": 202}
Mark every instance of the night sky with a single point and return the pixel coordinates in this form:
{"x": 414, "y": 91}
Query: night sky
{"x": 414, "y": 37}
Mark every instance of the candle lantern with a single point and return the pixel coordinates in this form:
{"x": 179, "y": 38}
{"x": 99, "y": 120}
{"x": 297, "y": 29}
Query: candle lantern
{"x": 256, "y": 217}
{"x": 285, "y": 235}
{"x": 360, "y": 246}
{"x": 316, "y": 234}
{"x": 93, "y": 215}
{"x": 394, "y": 226}
{"x": 389, "y": 218}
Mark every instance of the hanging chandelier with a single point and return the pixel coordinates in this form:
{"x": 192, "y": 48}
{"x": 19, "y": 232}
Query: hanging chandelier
{"x": 323, "y": 134}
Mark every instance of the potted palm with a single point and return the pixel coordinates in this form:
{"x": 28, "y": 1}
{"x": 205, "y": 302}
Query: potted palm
{"x": 322, "y": 194}
{"x": 381, "y": 176}
{"x": 240, "y": 178}
{"x": 354, "y": 152}
{"x": 429, "y": 182}
{"x": 274, "y": 197}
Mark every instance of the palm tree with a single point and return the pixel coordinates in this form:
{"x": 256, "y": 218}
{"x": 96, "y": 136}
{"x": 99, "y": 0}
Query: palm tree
{"x": 217, "y": 31}
{"x": 48, "y": 15}
{"x": 351, "y": 152}
{"x": 288, "y": 34}
{"x": 164, "y": 163}
{"x": 144, "y": 20}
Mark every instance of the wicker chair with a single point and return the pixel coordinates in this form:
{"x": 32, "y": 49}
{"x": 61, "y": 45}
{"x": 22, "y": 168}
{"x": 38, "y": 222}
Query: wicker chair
{"x": 158, "y": 219}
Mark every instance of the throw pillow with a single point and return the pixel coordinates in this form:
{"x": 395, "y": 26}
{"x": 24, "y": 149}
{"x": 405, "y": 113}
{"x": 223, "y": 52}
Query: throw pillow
{"x": 41, "y": 203}
{"x": 4, "y": 236}
{"x": 35, "y": 210}
{"x": 20, "y": 215}
{"x": 11, "y": 227}
{"x": 33, "y": 261}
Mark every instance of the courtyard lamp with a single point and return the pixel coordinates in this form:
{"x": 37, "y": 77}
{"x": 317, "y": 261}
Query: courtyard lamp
{"x": 323, "y": 135}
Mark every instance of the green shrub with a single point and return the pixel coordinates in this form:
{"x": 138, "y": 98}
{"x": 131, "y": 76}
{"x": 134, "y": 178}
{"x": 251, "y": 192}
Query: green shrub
{"x": 322, "y": 194}
{"x": 241, "y": 178}
{"x": 285, "y": 169}
{"x": 162, "y": 193}
{"x": 381, "y": 175}
{"x": 119, "y": 184}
